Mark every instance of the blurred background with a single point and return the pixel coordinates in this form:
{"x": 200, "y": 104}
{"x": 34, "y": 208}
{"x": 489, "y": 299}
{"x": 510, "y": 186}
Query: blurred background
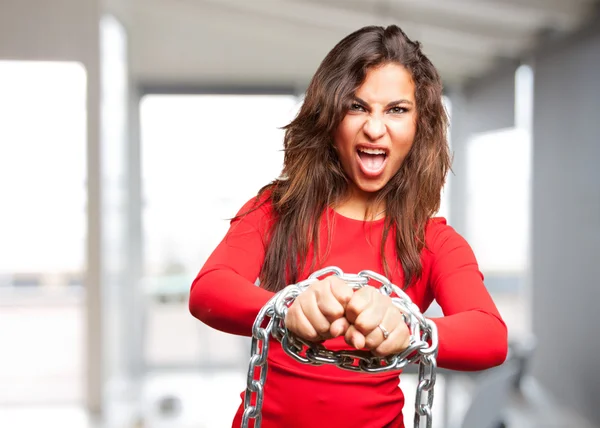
{"x": 130, "y": 131}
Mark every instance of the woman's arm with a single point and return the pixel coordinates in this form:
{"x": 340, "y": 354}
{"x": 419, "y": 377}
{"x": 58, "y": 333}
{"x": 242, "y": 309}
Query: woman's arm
{"x": 224, "y": 295}
{"x": 472, "y": 334}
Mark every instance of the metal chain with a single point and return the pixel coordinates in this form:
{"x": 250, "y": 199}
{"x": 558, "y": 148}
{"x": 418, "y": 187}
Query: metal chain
{"x": 423, "y": 332}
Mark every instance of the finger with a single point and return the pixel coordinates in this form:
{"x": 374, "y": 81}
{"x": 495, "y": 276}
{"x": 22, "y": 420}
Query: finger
{"x": 297, "y": 323}
{"x": 359, "y": 301}
{"x": 354, "y": 338}
{"x": 311, "y": 310}
{"x": 376, "y": 336}
{"x": 339, "y": 327}
{"x": 399, "y": 337}
{"x": 340, "y": 290}
{"x": 328, "y": 304}
{"x": 372, "y": 315}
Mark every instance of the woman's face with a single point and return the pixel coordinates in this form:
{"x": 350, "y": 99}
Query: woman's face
{"x": 378, "y": 131}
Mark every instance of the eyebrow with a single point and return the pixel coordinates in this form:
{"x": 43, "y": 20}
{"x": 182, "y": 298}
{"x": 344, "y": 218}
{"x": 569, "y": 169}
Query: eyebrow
{"x": 393, "y": 103}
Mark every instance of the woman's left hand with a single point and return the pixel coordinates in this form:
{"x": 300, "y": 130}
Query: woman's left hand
{"x": 372, "y": 317}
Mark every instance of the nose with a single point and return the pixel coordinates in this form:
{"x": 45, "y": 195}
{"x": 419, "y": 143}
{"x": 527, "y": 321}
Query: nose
{"x": 374, "y": 128}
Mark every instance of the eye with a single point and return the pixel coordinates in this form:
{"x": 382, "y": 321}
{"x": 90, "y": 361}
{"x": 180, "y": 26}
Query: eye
{"x": 397, "y": 110}
{"x": 356, "y": 107}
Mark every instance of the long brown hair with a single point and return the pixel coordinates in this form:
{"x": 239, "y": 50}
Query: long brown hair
{"x": 313, "y": 179}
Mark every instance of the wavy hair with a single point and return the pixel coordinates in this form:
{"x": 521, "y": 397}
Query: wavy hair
{"x": 313, "y": 179}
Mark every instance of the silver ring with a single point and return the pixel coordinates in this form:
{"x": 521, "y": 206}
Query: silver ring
{"x": 386, "y": 333}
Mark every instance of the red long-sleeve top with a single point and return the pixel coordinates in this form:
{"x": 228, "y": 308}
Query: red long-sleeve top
{"x": 472, "y": 335}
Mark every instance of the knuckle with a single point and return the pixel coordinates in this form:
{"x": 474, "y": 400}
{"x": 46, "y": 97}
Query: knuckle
{"x": 292, "y": 326}
{"x": 364, "y": 327}
{"x": 325, "y": 283}
{"x": 312, "y": 290}
{"x": 291, "y": 315}
{"x": 352, "y": 306}
{"x": 333, "y": 311}
{"x": 320, "y": 287}
{"x": 383, "y": 350}
{"x": 335, "y": 280}
{"x": 371, "y": 342}
{"x": 373, "y": 290}
{"x": 300, "y": 300}
{"x": 312, "y": 336}
{"x": 360, "y": 325}
{"x": 294, "y": 305}
{"x": 321, "y": 329}
{"x": 359, "y": 294}
{"x": 349, "y": 332}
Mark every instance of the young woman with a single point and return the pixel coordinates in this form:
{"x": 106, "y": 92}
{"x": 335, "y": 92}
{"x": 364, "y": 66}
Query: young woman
{"x": 365, "y": 162}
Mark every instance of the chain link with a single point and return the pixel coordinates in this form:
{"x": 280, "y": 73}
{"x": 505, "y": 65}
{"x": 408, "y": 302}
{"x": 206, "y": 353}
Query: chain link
{"x": 422, "y": 347}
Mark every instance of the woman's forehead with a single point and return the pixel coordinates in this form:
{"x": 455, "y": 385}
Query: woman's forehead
{"x": 391, "y": 82}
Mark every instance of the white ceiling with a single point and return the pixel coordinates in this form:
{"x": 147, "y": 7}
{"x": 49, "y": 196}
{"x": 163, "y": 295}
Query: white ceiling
{"x": 281, "y": 42}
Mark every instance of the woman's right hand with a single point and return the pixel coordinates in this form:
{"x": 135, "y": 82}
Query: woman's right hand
{"x": 318, "y": 312}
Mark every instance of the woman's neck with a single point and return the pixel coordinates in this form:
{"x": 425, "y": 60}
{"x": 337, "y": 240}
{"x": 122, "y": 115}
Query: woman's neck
{"x": 358, "y": 205}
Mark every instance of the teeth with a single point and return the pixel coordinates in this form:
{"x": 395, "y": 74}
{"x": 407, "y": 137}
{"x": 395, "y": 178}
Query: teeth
{"x": 372, "y": 151}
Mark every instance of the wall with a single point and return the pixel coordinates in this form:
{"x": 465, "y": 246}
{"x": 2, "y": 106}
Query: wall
{"x": 566, "y": 221}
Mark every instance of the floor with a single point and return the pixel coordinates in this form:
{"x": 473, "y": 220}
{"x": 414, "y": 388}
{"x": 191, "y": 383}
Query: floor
{"x": 173, "y": 400}
{"x": 42, "y": 371}
{"x": 188, "y": 400}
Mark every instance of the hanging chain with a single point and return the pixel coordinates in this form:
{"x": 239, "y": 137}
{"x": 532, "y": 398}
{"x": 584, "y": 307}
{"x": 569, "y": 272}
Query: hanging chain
{"x": 423, "y": 332}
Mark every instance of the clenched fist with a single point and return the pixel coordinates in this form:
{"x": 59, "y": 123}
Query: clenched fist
{"x": 318, "y": 312}
{"x": 366, "y": 318}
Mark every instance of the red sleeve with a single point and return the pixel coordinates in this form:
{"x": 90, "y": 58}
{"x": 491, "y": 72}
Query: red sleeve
{"x": 472, "y": 334}
{"x": 224, "y": 295}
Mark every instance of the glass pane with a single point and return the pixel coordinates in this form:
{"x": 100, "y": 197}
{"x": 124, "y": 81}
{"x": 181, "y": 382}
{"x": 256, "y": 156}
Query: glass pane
{"x": 498, "y": 189}
{"x": 195, "y": 149}
{"x": 43, "y": 230}
{"x": 499, "y": 169}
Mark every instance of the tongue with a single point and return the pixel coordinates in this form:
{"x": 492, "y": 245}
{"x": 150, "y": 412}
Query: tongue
{"x": 372, "y": 162}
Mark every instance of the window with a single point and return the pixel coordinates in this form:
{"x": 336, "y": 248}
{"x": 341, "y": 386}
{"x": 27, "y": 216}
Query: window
{"x": 43, "y": 230}
{"x": 498, "y": 208}
{"x": 203, "y": 157}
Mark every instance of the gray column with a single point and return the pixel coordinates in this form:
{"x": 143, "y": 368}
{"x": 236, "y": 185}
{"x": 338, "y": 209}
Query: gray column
{"x": 566, "y": 221}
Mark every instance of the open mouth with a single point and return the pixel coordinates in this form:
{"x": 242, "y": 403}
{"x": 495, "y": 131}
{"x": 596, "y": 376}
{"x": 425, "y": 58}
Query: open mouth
{"x": 371, "y": 161}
